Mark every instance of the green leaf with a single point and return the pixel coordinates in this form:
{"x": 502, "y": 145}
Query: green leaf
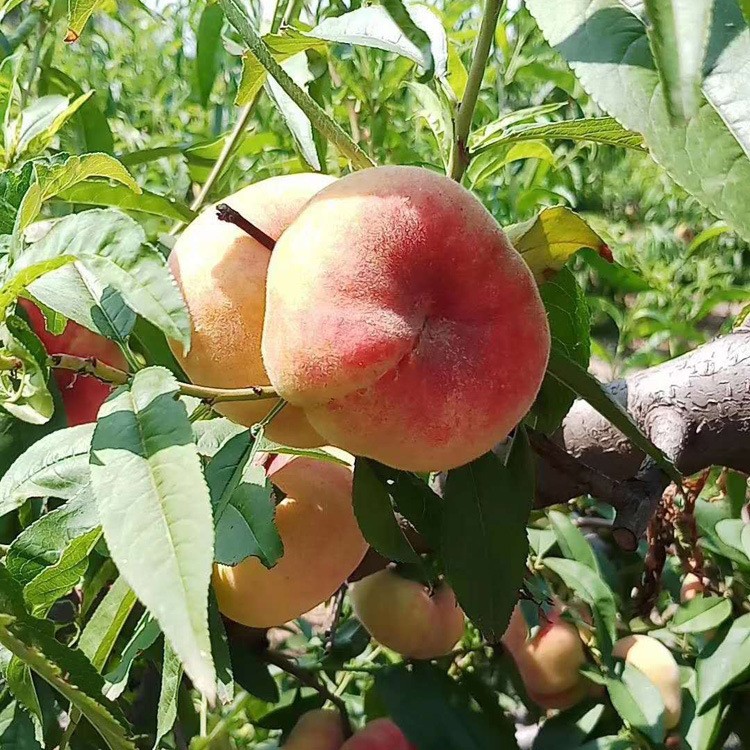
{"x": 551, "y": 238}
{"x": 117, "y": 196}
{"x": 590, "y": 587}
{"x": 586, "y": 386}
{"x": 79, "y": 12}
{"x": 18, "y": 282}
{"x": 220, "y": 651}
{"x": 604, "y": 130}
{"x": 707, "y": 155}
{"x": 484, "y": 544}
{"x": 111, "y": 246}
{"x": 151, "y": 495}
{"x": 16, "y": 729}
{"x": 410, "y": 696}
{"x": 745, "y": 5}
{"x": 50, "y": 181}
{"x": 103, "y": 628}
{"x": 699, "y": 731}
{"x": 493, "y": 160}
{"x": 145, "y": 634}
{"x": 252, "y": 674}
{"x": 297, "y": 121}
{"x": 41, "y": 121}
{"x": 415, "y": 500}
{"x": 42, "y": 544}
{"x": 572, "y": 542}
{"x": 209, "y": 49}
{"x": 701, "y": 614}
{"x": 417, "y": 36}
{"x": 723, "y": 662}
{"x": 78, "y": 295}
{"x": 21, "y": 685}
{"x": 13, "y": 187}
{"x": 678, "y": 33}
{"x": 541, "y": 541}
{"x": 212, "y": 434}
{"x": 55, "y": 466}
{"x": 620, "y": 278}
{"x": 569, "y": 728}
{"x": 243, "y": 505}
{"x": 39, "y": 653}
{"x": 638, "y": 701}
{"x": 374, "y": 26}
{"x": 375, "y": 516}
{"x": 436, "y": 113}
{"x": 23, "y": 390}
{"x": 59, "y": 579}
{"x": 171, "y": 674}
{"x": 569, "y": 322}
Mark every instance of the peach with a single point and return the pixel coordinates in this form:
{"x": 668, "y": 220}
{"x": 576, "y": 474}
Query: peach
{"x": 548, "y": 663}
{"x": 404, "y": 616}
{"x": 316, "y": 730}
{"x": 221, "y": 271}
{"x": 655, "y": 660}
{"x": 692, "y": 586}
{"x": 81, "y": 395}
{"x": 322, "y": 546}
{"x": 380, "y": 734}
{"x": 403, "y": 322}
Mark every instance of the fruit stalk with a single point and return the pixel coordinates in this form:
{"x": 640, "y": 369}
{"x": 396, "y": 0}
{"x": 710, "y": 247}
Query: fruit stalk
{"x": 106, "y": 373}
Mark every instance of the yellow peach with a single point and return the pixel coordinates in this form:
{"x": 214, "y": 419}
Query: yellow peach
{"x": 404, "y": 616}
{"x": 322, "y": 546}
{"x": 316, "y": 730}
{"x": 222, "y": 271}
{"x": 655, "y": 660}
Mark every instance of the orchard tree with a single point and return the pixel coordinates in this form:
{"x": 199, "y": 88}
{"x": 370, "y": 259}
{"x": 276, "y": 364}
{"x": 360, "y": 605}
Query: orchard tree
{"x": 301, "y": 441}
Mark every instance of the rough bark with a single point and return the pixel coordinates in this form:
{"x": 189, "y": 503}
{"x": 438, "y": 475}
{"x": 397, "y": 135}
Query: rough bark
{"x": 696, "y": 408}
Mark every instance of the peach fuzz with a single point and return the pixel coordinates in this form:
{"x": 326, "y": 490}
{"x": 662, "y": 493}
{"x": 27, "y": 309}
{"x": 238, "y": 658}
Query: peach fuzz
{"x": 404, "y": 616}
{"x": 322, "y": 546}
{"x": 403, "y": 322}
{"x": 316, "y": 730}
{"x": 380, "y": 734}
{"x": 655, "y": 660}
{"x": 221, "y": 271}
{"x": 81, "y": 395}
{"x": 550, "y": 661}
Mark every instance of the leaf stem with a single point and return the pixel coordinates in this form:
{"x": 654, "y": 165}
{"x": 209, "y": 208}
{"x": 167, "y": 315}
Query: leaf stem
{"x": 331, "y": 130}
{"x": 459, "y": 157}
{"x": 95, "y": 368}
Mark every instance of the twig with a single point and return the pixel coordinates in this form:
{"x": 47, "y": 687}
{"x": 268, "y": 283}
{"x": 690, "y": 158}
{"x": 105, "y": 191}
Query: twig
{"x": 338, "y": 607}
{"x": 106, "y": 373}
{"x": 459, "y": 156}
{"x": 225, "y": 212}
{"x": 331, "y": 130}
{"x": 309, "y": 679}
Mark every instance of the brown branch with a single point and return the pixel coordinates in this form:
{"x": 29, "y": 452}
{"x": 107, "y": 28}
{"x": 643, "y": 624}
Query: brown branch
{"x": 309, "y": 679}
{"x": 95, "y": 368}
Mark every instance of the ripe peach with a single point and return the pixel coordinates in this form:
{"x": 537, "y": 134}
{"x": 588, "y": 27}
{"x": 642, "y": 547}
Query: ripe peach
{"x": 655, "y": 660}
{"x": 548, "y": 663}
{"x": 221, "y": 271}
{"x": 380, "y": 734}
{"x": 692, "y": 586}
{"x": 403, "y": 322}
{"x": 82, "y": 395}
{"x": 316, "y": 730}
{"x": 402, "y": 615}
{"x": 322, "y": 546}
